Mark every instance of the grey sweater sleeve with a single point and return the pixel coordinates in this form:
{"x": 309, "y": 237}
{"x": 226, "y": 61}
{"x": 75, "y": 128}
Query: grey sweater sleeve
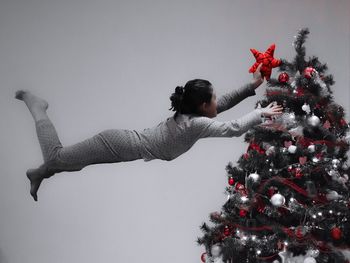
{"x": 232, "y": 98}
{"x": 207, "y": 127}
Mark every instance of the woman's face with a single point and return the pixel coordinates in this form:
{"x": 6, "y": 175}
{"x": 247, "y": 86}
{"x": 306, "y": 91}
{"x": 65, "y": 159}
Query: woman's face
{"x": 209, "y": 109}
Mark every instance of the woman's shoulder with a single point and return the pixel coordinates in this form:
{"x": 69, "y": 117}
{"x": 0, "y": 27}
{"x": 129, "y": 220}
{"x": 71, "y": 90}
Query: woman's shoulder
{"x": 191, "y": 120}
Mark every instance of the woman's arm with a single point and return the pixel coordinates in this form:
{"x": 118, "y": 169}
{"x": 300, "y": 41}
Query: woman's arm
{"x": 232, "y": 98}
{"x": 208, "y": 127}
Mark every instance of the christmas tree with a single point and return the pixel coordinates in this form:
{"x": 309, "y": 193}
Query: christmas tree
{"x": 288, "y": 195}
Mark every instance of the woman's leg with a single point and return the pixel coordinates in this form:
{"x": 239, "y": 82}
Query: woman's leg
{"x": 57, "y": 158}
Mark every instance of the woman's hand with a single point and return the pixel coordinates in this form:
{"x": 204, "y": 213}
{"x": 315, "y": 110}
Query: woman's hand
{"x": 258, "y": 79}
{"x": 272, "y": 110}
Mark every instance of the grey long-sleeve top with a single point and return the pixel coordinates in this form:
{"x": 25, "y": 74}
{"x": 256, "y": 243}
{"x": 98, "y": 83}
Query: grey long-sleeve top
{"x": 174, "y": 136}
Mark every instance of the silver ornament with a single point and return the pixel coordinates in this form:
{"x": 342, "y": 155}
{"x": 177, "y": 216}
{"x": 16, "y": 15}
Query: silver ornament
{"x": 335, "y": 163}
{"x": 254, "y": 177}
{"x": 306, "y": 108}
{"x": 332, "y": 195}
{"x": 313, "y": 120}
{"x": 278, "y": 200}
{"x": 310, "y": 260}
{"x": 313, "y": 253}
{"x": 311, "y": 148}
{"x": 292, "y": 149}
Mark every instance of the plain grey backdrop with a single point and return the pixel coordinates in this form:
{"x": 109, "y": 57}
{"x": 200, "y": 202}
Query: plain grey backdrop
{"x": 113, "y": 64}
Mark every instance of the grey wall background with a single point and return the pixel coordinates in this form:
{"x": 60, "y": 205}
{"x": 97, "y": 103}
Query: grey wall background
{"x": 113, "y": 64}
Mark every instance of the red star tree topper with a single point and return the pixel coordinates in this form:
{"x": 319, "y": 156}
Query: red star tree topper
{"x": 267, "y": 60}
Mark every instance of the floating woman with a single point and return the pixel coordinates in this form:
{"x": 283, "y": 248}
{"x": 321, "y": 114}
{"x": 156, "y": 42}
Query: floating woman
{"x": 195, "y": 105}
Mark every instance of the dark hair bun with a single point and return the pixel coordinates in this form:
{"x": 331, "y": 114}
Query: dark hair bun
{"x": 179, "y": 90}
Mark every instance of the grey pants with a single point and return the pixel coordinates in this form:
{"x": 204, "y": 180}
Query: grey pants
{"x": 108, "y": 146}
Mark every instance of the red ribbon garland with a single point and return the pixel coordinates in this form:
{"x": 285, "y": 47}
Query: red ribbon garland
{"x": 256, "y": 147}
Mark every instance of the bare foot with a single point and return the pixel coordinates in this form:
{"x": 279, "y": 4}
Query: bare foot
{"x": 32, "y": 101}
{"x": 36, "y": 176}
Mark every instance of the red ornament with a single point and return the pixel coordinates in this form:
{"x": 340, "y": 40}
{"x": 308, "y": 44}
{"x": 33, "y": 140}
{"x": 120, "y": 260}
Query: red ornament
{"x": 343, "y": 122}
{"x": 299, "y": 91}
{"x": 227, "y": 231}
{"x": 239, "y": 186}
{"x": 283, "y": 77}
{"x": 242, "y": 213}
{"x": 204, "y": 257}
{"x": 309, "y": 72}
{"x": 300, "y": 232}
{"x": 298, "y": 173}
{"x": 231, "y": 181}
{"x": 326, "y": 124}
{"x": 302, "y": 160}
{"x": 336, "y": 233}
{"x": 267, "y": 60}
{"x": 246, "y": 155}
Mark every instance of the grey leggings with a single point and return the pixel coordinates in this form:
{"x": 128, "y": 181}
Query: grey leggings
{"x": 108, "y": 146}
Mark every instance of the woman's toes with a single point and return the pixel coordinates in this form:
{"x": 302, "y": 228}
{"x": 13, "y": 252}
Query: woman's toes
{"x": 35, "y": 177}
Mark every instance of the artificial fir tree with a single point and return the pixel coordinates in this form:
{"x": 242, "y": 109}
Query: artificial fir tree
{"x": 288, "y": 195}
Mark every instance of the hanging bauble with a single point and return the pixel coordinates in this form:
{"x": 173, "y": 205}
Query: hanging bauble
{"x": 292, "y": 149}
{"x": 313, "y": 120}
{"x": 300, "y": 231}
{"x": 311, "y": 148}
{"x": 227, "y": 231}
{"x": 326, "y": 124}
{"x": 278, "y": 200}
{"x": 283, "y": 77}
{"x": 231, "y": 181}
{"x": 315, "y": 159}
{"x": 306, "y": 108}
{"x": 336, "y": 233}
{"x": 332, "y": 195}
{"x": 239, "y": 186}
{"x": 313, "y": 253}
{"x": 216, "y": 252}
{"x": 309, "y": 72}
{"x": 335, "y": 163}
{"x": 242, "y": 213}
{"x": 309, "y": 260}
{"x": 254, "y": 177}
{"x": 204, "y": 257}
{"x": 298, "y": 173}
{"x": 302, "y": 160}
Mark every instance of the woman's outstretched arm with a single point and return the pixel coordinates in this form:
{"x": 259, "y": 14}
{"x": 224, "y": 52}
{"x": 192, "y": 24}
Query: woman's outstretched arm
{"x": 230, "y": 99}
{"x": 207, "y": 127}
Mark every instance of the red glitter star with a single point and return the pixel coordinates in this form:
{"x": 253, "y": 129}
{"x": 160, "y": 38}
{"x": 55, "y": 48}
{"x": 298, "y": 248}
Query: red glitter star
{"x": 267, "y": 60}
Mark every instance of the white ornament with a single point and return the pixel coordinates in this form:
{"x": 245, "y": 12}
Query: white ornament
{"x": 332, "y": 195}
{"x": 311, "y": 148}
{"x": 313, "y": 120}
{"x": 310, "y": 260}
{"x": 335, "y": 163}
{"x": 306, "y": 108}
{"x": 278, "y": 200}
{"x": 315, "y": 159}
{"x": 292, "y": 149}
{"x": 254, "y": 176}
